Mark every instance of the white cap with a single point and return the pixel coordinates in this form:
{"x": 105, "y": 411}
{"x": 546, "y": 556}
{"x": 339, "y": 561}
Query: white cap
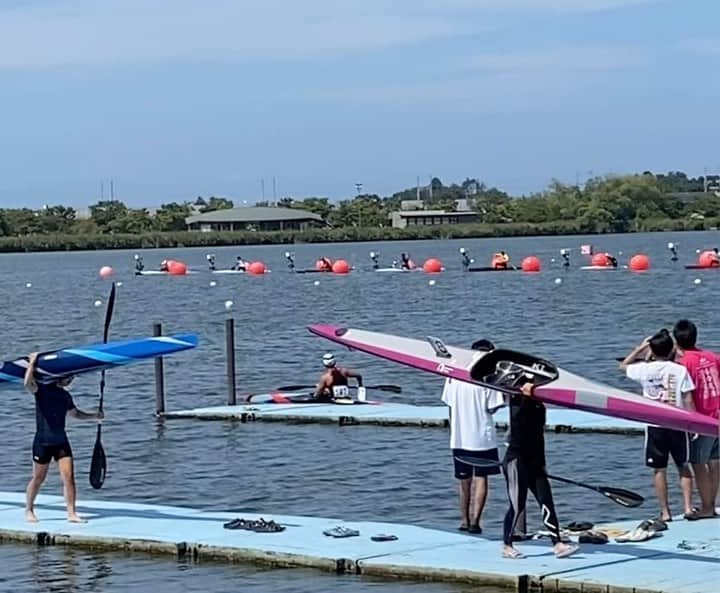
{"x": 328, "y": 360}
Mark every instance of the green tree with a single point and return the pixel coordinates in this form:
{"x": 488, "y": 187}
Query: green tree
{"x": 214, "y": 203}
{"x": 104, "y": 212}
{"x": 171, "y": 217}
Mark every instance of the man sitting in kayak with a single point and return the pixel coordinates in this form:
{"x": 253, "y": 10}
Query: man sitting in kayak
{"x": 334, "y": 380}
{"x": 611, "y": 260}
{"x": 324, "y": 264}
{"x": 240, "y": 264}
{"x": 211, "y": 261}
{"x": 164, "y": 266}
{"x": 405, "y": 262}
{"x": 139, "y": 265}
{"x": 500, "y": 261}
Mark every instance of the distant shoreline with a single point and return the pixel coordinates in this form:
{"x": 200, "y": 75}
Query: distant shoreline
{"x": 97, "y": 242}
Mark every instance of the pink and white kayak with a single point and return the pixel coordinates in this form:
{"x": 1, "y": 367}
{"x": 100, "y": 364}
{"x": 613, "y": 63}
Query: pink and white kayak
{"x": 505, "y": 369}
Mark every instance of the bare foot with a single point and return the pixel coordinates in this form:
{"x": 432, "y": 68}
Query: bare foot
{"x": 31, "y": 517}
{"x": 75, "y": 518}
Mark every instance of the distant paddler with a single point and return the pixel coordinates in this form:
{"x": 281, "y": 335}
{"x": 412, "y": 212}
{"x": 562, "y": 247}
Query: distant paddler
{"x": 673, "y": 248}
{"x": 406, "y": 263}
{"x": 374, "y": 257}
{"x": 611, "y": 260}
{"x": 139, "y": 265}
{"x": 333, "y": 382}
{"x": 240, "y": 265}
{"x": 324, "y": 264}
{"x": 291, "y": 260}
{"x": 466, "y": 260}
{"x": 716, "y": 257}
{"x": 565, "y": 253}
{"x": 500, "y": 261}
{"x": 164, "y": 266}
{"x": 211, "y": 261}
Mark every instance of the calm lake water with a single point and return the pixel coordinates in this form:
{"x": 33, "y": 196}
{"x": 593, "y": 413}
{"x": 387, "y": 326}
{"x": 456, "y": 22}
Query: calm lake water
{"x": 359, "y": 472}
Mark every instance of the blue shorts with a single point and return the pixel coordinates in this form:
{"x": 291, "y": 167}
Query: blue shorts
{"x": 465, "y": 471}
{"x": 704, "y": 449}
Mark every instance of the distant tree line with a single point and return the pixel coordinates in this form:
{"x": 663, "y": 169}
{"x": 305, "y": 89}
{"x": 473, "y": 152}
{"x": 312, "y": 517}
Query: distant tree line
{"x": 602, "y": 204}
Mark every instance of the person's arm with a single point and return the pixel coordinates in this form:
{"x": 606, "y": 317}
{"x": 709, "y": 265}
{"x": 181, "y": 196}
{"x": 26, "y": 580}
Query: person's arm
{"x": 637, "y": 354}
{"x": 687, "y": 400}
{"x": 321, "y": 386}
{"x": 29, "y": 379}
{"x": 80, "y": 415}
{"x": 496, "y": 400}
{"x": 349, "y": 374}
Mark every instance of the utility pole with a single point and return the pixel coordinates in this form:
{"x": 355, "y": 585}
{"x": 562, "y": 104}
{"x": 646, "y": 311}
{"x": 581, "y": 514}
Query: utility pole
{"x": 430, "y": 187}
{"x": 112, "y": 191}
{"x": 274, "y": 190}
{"x": 417, "y": 193}
{"x": 262, "y": 187}
{"x": 102, "y": 191}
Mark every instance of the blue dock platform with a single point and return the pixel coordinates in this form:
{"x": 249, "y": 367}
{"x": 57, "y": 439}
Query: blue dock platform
{"x": 395, "y": 414}
{"x": 684, "y": 559}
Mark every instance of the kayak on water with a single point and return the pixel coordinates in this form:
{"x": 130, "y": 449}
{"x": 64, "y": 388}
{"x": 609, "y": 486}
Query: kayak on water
{"x": 501, "y": 369}
{"x": 602, "y": 268}
{"x": 66, "y": 362}
{"x": 303, "y": 398}
{"x": 325, "y": 268}
{"x": 467, "y": 261}
{"x": 406, "y": 266}
{"x": 167, "y": 268}
{"x": 697, "y": 267}
{"x": 239, "y": 267}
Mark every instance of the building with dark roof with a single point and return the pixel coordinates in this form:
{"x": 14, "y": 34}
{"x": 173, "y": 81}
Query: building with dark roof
{"x": 254, "y": 218}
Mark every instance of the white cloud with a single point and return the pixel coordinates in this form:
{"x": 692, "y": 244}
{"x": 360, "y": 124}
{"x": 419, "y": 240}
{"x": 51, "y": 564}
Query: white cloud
{"x": 71, "y": 32}
{"x": 558, "y": 59}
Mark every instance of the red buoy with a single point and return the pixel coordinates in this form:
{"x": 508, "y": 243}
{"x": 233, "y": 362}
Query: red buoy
{"x": 707, "y": 259}
{"x": 600, "y": 259}
{"x": 106, "y": 272}
{"x": 340, "y": 266}
{"x": 639, "y": 262}
{"x": 531, "y": 264}
{"x": 433, "y": 266}
{"x": 177, "y": 268}
{"x": 257, "y": 267}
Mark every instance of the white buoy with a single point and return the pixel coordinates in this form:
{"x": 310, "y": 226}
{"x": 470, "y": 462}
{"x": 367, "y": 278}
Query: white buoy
{"x": 558, "y": 280}
{"x": 228, "y": 305}
{"x": 552, "y": 260}
{"x": 697, "y": 251}
{"x": 619, "y": 252}
{"x": 28, "y": 285}
{"x": 97, "y": 303}
{"x": 431, "y": 282}
{"x": 213, "y": 283}
{"x": 118, "y": 284}
{"x": 697, "y": 281}
{"x": 317, "y": 283}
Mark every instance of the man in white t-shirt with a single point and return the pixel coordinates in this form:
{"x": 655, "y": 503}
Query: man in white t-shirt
{"x": 472, "y": 434}
{"x": 665, "y": 381}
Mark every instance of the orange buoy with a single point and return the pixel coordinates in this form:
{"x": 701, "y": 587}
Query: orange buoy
{"x": 257, "y": 268}
{"x": 600, "y": 259}
{"x": 639, "y": 263}
{"x": 106, "y": 272}
{"x": 340, "y": 266}
{"x": 707, "y": 259}
{"x": 433, "y": 266}
{"x": 177, "y": 268}
{"x": 530, "y": 264}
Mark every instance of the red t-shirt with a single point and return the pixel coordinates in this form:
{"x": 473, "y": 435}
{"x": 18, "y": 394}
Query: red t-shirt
{"x": 704, "y": 369}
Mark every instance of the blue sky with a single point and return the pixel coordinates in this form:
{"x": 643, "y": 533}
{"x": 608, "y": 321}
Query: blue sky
{"x": 178, "y": 98}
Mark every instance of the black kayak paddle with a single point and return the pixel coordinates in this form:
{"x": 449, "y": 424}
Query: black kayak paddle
{"x": 98, "y": 465}
{"x": 388, "y": 388}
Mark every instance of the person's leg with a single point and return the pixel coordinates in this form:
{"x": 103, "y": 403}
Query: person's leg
{"x": 714, "y": 467}
{"x": 38, "y": 477}
{"x": 67, "y": 474}
{"x": 705, "y": 469}
{"x": 661, "y": 491}
{"x": 464, "y": 491}
{"x": 680, "y": 452}
{"x": 540, "y": 487}
{"x": 517, "y": 488}
{"x": 686, "y": 486}
{"x": 479, "y": 497}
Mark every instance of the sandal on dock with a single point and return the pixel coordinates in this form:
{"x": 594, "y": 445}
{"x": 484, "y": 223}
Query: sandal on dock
{"x": 259, "y": 526}
{"x": 383, "y": 537}
{"x": 513, "y": 554}
{"x": 568, "y": 551}
{"x": 341, "y": 532}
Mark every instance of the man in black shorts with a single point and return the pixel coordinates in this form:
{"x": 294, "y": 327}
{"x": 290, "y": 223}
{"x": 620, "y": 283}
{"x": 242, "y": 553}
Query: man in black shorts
{"x": 52, "y": 405}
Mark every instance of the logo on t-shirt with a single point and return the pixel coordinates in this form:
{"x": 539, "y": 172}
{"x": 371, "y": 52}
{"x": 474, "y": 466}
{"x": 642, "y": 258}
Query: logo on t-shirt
{"x": 661, "y": 388}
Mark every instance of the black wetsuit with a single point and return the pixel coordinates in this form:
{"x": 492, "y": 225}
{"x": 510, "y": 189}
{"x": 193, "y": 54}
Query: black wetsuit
{"x": 524, "y": 466}
{"x": 52, "y": 404}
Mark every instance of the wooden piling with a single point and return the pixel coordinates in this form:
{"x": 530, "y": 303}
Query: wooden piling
{"x": 159, "y": 377}
{"x": 230, "y": 360}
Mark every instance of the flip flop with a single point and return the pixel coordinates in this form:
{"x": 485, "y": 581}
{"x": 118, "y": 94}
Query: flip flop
{"x": 513, "y": 554}
{"x": 384, "y": 537}
{"x": 580, "y": 526}
{"x": 341, "y": 532}
{"x": 476, "y": 529}
{"x": 697, "y": 517}
{"x": 593, "y": 537}
{"x": 569, "y": 551}
{"x": 463, "y": 528}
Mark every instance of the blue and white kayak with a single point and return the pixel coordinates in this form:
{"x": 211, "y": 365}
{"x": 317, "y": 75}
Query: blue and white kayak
{"x": 68, "y": 362}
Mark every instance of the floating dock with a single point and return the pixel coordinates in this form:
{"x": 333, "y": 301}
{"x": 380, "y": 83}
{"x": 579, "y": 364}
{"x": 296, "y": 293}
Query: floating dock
{"x": 393, "y": 414}
{"x": 685, "y": 559}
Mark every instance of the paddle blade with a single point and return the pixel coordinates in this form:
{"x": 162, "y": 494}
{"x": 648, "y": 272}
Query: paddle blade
{"x": 621, "y": 496}
{"x": 98, "y": 465}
